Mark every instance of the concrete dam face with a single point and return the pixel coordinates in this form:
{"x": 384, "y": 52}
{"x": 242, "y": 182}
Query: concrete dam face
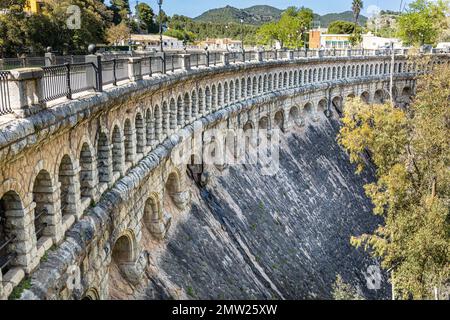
{"x": 252, "y": 236}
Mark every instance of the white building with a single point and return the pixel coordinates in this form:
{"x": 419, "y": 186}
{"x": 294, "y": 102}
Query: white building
{"x": 152, "y": 41}
{"x": 372, "y": 42}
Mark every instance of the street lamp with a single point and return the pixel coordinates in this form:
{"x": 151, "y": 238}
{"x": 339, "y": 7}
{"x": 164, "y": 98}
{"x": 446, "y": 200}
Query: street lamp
{"x": 242, "y": 34}
{"x": 160, "y": 2}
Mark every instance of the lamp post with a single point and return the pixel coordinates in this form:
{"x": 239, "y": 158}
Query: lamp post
{"x": 242, "y": 34}
{"x": 160, "y": 2}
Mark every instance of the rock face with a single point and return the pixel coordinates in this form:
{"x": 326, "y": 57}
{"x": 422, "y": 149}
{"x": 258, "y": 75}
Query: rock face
{"x": 250, "y": 236}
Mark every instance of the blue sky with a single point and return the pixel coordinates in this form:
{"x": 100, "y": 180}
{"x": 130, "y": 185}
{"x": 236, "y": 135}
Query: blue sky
{"x": 193, "y": 8}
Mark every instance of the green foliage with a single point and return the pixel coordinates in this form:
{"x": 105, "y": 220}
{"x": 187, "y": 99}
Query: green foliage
{"x": 344, "y": 291}
{"x": 411, "y": 151}
{"x": 289, "y": 30}
{"x": 342, "y": 27}
{"x": 121, "y": 10}
{"x": 146, "y": 16}
{"x": 357, "y": 6}
{"x": 183, "y": 28}
{"x": 25, "y": 284}
{"x": 423, "y": 22}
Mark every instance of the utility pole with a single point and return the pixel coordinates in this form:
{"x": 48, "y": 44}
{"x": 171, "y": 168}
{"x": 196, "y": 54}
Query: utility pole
{"x": 391, "y": 84}
{"x": 160, "y": 2}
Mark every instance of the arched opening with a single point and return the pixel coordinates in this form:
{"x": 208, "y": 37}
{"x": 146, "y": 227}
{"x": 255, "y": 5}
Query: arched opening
{"x": 91, "y": 294}
{"x": 260, "y": 85}
{"x": 157, "y": 116}
{"x": 43, "y": 198}
{"x": 231, "y": 91}
{"x": 149, "y": 129}
{"x": 255, "y": 86}
{"x": 139, "y": 124}
{"x": 200, "y": 102}
{"x": 243, "y": 90}
{"x": 165, "y": 119}
{"x": 379, "y": 96}
{"x": 263, "y": 123}
{"x": 338, "y": 105}
{"x": 87, "y": 180}
{"x": 279, "y": 120}
{"x": 307, "y": 110}
{"x": 280, "y": 81}
{"x": 214, "y": 98}
{"x": 249, "y": 151}
{"x": 11, "y": 208}
{"x": 172, "y": 115}
{"x": 322, "y": 106}
{"x": 236, "y": 89}
{"x": 265, "y": 85}
{"x": 207, "y": 99}
{"x": 129, "y": 150}
{"x": 194, "y": 105}
{"x": 225, "y": 93}
{"x": 365, "y": 97}
{"x": 270, "y": 83}
{"x": 117, "y": 154}
{"x": 187, "y": 109}
{"x": 275, "y": 82}
{"x": 294, "y": 115}
{"x": 172, "y": 193}
{"x": 290, "y": 79}
{"x": 219, "y": 95}
{"x": 249, "y": 87}
{"x": 151, "y": 213}
{"x": 123, "y": 250}
{"x": 103, "y": 158}
{"x": 180, "y": 112}
{"x": 66, "y": 179}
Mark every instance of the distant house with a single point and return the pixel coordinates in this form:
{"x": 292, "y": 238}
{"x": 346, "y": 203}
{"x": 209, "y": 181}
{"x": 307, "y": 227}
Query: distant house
{"x": 221, "y": 44}
{"x": 321, "y": 40}
{"x": 152, "y": 41}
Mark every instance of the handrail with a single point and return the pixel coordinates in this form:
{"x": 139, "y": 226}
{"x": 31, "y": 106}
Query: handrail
{"x": 5, "y": 104}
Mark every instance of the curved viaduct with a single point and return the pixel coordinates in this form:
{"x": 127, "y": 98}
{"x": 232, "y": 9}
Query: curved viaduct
{"x": 79, "y": 180}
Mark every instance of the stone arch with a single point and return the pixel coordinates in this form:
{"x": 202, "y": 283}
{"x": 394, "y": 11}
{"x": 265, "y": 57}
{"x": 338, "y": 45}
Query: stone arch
{"x": 180, "y": 112}
{"x": 243, "y": 88}
{"x": 219, "y": 95}
{"x": 295, "y": 78}
{"x": 249, "y": 87}
{"x": 269, "y": 82}
{"x": 280, "y": 80}
{"x": 290, "y": 79}
{"x": 68, "y": 187}
{"x": 329, "y": 74}
{"x": 294, "y": 115}
{"x": 139, "y": 127}
{"x": 310, "y": 75}
{"x": 11, "y": 210}
{"x": 44, "y": 211}
{"x": 201, "y": 103}
{"x": 322, "y": 106}
{"x": 193, "y": 105}
{"x": 300, "y": 77}
{"x": 263, "y": 123}
{"x": 225, "y": 93}
{"x": 157, "y": 117}
{"x": 254, "y": 86}
{"x": 86, "y": 175}
{"x": 365, "y": 97}
{"x": 207, "y": 99}
{"x": 319, "y": 75}
{"x": 152, "y": 212}
{"x": 236, "y": 89}
{"x": 231, "y": 91}
{"x": 173, "y": 190}
{"x": 308, "y": 109}
{"x": 213, "y": 97}
{"x": 165, "y": 119}
{"x": 279, "y": 119}
{"x": 124, "y": 248}
{"x": 351, "y": 96}
{"x": 172, "y": 116}
{"x": 379, "y": 96}
{"x": 103, "y": 158}
{"x": 187, "y": 109}
{"x": 149, "y": 128}
{"x": 275, "y": 81}
{"x": 338, "y": 104}
{"x": 260, "y": 84}
{"x": 117, "y": 152}
{"x": 129, "y": 145}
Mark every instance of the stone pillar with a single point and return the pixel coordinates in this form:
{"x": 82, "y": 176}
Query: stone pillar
{"x": 25, "y": 91}
{"x": 91, "y": 77}
{"x": 134, "y": 69}
{"x": 73, "y": 199}
{"x": 260, "y": 56}
{"x": 349, "y": 52}
{"x": 21, "y": 222}
{"x": 53, "y": 218}
{"x": 225, "y": 58}
{"x": 50, "y": 59}
{"x": 321, "y": 53}
{"x": 290, "y": 55}
{"x": 185, "y": 62}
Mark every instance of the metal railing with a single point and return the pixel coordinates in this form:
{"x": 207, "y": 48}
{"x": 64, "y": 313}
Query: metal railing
{"x": 5, "y": 104}
{"x": 65, "y": 80}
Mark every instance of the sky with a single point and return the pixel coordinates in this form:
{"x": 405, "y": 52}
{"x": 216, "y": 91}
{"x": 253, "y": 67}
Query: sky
{"x": 193, "y": 8}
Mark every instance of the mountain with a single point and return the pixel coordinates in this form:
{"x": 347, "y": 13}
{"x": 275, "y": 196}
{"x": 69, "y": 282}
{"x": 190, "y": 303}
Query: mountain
{"x": 258, "y": 15}
{"x": 254, "y": 15}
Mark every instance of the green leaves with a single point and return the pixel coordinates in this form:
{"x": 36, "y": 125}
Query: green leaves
{"x": 411, "y": 151}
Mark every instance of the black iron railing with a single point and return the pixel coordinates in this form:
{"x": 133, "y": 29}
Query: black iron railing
{"x": 5, "y": 103}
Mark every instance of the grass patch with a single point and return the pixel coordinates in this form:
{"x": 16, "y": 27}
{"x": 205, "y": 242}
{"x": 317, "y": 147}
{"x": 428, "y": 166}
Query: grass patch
{"x": 25, "y": 284}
